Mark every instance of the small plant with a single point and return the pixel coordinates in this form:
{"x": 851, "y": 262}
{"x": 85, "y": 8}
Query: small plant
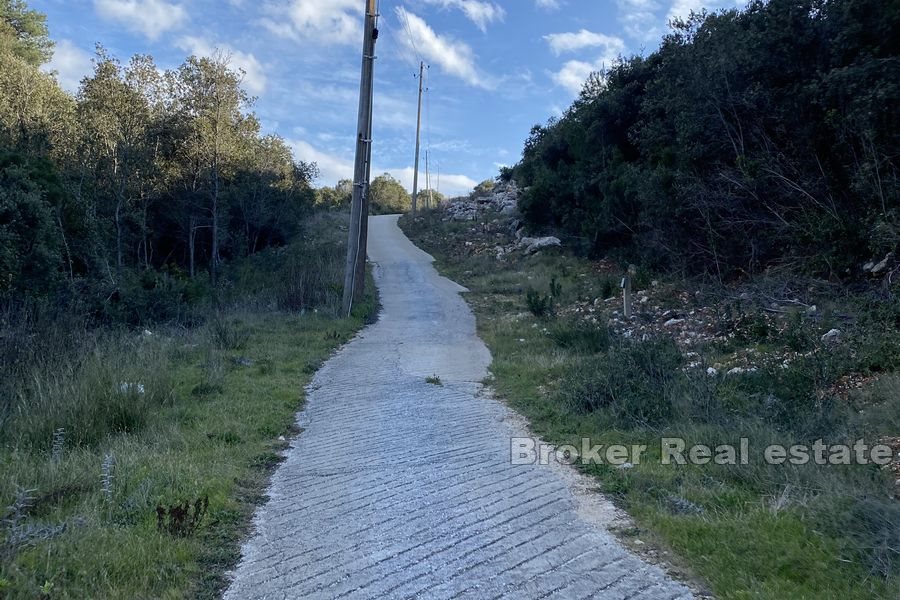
{"x": 538, "y": 304}
{"x": 229, "y": 336}
{"x": 182, "y": 519}
{"x": 555, "y": 288}
{"x": 632, "y": 384}
{"x": 433, "y": 380}
{"x": 581, "y": 336}
{"x": 13, "y": 522}
{"x": 107, "y": 475}
{"x": 56, "y": 449}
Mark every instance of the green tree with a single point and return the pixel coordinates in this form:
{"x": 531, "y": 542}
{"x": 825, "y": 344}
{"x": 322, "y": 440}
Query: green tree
{"x": 387, "y": 195}
{"x": 210, "y": 101}
{"x": 338, "y": 196}
{"x": 430, "y": 197}
{"x": 116, "y": 118}
{"x": 30, "y": 255}
{"x": 24, "y": 33}
{"x": 484, "y": 188}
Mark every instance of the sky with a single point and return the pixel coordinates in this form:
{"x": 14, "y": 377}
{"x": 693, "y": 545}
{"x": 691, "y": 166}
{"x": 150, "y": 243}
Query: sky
{"x": 495, "y": 67}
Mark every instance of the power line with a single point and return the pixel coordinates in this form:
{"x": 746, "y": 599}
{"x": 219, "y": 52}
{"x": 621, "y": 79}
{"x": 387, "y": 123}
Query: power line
{"x": 404, "y": 50}
{"x": 409, "y": 34}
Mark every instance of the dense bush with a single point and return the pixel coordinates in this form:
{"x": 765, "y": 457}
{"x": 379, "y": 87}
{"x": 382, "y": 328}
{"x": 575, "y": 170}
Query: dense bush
{"x": 749, "y": 139}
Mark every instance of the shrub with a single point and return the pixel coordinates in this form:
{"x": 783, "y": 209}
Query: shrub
{"x": 543, "y": 306}
{"x": 632, "y": 384}
{"x": 538, "y": 304}
{"x": 581, "y": 336}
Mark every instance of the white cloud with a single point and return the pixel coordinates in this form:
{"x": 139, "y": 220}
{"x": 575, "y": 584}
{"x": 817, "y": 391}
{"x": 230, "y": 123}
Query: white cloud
{"x": 480, "y": 13}
{"x": 254, "y": 78}
{"x": 450, "y": 185}
{"x": 149, "y": 17}
{"x": 548, "y": 4}
{"x": 70, "y": 63}
{"x": 323, "y": 21}
{"x": 574, "y": 73}
{"x": 641, "y": 20}
{"x": 454, "y": 57}
{"x": 333, "y": 168}
{"x": 572, "y": 42}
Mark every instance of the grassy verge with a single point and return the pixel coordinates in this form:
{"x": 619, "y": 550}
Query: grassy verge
{"x": 131, "y": 466}
{"x": 749, "y": 531}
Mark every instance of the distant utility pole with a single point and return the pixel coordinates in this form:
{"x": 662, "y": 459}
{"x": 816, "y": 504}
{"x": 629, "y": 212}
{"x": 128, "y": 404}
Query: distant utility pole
{"x": 357, "y": 235}
{"x": 418, "y": 131}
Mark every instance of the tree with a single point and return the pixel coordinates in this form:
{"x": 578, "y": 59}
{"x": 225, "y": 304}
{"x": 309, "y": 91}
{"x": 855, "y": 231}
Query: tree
{"x": 387, "y": 195}
{"x": 30, "y": 257}
{"x": 432, "y": 196}
{"x": 24, "y": 33}
{"x": 484, "y": 188}
{"x": 338, "y": 196}
{"x": 116, "y": 119}
{"x": 210, "y": 100}
{"x": 750, "y": 138}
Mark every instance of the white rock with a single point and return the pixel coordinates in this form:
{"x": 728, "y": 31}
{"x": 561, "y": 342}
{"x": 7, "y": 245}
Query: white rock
{"x": 883, "y": 264}
{"x": 712, "y": 371}
{"x": 832, "y": 336}
{"x": 532, "y": 245}
{"x": 672, "y": 322}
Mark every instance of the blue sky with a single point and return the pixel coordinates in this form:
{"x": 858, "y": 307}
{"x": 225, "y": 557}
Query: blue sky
{"x": 497, "y": 67}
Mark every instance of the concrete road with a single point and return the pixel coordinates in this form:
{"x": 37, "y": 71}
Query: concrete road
{"x": 398, "y": 488}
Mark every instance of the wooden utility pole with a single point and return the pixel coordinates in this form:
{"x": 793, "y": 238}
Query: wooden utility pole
{"x": 360, "y": 275}
{"x": 418, "y": 132}
{"x": 356, "y": 238}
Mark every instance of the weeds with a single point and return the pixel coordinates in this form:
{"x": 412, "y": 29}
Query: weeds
{"x": 581, "y": 336}
{"x": 433, "y": 380}
{"x": 182, "y": 519}
{"x": 543, "y": 306}
{"x": 109, "y": 424}
{"x": 631, "y": 384}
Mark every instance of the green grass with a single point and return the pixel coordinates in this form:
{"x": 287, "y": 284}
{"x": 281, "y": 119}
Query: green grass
{"x": 101, "y": 428}
{"x": 755, "y": 531}
{"x": 220, "y": 443}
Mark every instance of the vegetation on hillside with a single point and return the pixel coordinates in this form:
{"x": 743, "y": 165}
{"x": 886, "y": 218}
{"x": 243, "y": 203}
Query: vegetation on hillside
{"x": 746, "y": 175}
{"x": 137, "y": 185}
{"x": 566, "y": 358}
{"x": 167, "y": 287}
{"x": 751, "y": 139}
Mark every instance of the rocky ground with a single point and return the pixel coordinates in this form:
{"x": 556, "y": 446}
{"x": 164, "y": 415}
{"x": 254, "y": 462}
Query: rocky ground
{"x": 722, "y": 331}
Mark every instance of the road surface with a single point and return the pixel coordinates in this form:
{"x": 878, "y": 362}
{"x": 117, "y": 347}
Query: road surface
{"x": 399, "y": 488}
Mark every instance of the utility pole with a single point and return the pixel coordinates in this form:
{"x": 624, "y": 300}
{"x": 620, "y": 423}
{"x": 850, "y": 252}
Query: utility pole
{"x": 357, "y": 234}
{"x": 360, "y": 275}
{"x": 418, "y": 131}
